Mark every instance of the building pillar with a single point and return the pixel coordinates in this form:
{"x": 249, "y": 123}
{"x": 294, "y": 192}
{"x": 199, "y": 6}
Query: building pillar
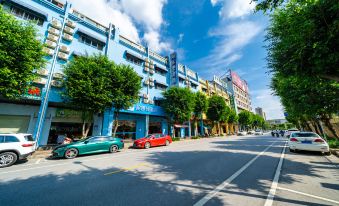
{"x": 189, "y": 128}
{"x": 146, "y": 124}
{"x": 202, "y": 127}
{"x": 107, "y": 122}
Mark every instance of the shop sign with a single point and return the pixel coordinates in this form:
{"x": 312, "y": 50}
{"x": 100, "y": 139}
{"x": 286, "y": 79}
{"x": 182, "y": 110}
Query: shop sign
{"x": 32, "y": 92}
{"x": 67, "y": 113}
{"x": 174, "y": 68}
{"x": 146, "y": 109}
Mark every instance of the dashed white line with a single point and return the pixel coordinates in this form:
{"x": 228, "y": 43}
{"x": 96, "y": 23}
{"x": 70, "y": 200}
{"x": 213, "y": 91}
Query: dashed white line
{"x": 270, "y": 196}
{"x": 220, "y": 187}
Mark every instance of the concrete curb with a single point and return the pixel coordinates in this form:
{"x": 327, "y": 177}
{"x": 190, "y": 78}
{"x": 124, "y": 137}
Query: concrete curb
{"x": 335, "y": 152}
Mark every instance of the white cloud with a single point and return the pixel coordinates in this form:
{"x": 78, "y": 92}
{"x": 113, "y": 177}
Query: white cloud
{"x": 127, "y": 15}
{"x": 271, "y": 104}
{"x": 234, "y": 8}
{"x": 180, "y": 38}
{"x": 231, "y": 39}
{"x": 153, "y": 40}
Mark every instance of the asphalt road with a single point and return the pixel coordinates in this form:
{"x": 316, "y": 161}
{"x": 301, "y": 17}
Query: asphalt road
{"x": 214, "y": 171}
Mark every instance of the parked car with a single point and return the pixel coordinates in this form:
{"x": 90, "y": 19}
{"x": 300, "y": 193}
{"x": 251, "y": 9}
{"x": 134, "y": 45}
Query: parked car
{"x": 251, "y": 132}
{"x": 308, "y": 141}
{"x": 152, "y": 140}
{"x": 242, "y": 133}
{"x": 90, "y": 145}
{"x": 14, "y": 147}
{"x": 290, "y": 131}
{"x": 258, "y": 132}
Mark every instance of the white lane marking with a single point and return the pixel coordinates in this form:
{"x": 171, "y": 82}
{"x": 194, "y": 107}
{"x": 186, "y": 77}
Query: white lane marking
{"x": 270, "y": 196}
{"x": 100, "y": 158}
{"x": 309, "y": 195}
{"x": 220, "y": 187}
{"x": 38, "y": 161}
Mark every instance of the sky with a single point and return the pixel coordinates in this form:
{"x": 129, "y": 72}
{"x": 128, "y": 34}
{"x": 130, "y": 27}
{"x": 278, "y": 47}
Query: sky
{"x": 209, "y": 36}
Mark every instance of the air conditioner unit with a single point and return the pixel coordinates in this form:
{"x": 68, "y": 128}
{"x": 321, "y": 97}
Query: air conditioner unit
{"x": 63, "y": 56}
{"x": 69, "y": 30}
{"x": 58, "y": 75}
{"x": 43, "y": 72}
{"x": 145, "y": 96}
{"x": 146, "y": 64}
{"x": 52, "y": 37}
{"x": 54, "y": 31}
{"x": 146, "y": 60}
{"x": 70, "y": 24}
{"x": 56, "y": 24}
{"x": 146, "y": 101}
{"x": 48, "y": 51}
{"x": 151, "y": 84}
{"x": 151, "y": 71}
{"x": 64, "y": 49}
{"x": 151, "y": 79}
{"x": 151, "y": 101}
{"x": 56, "y": 83}
{"x": 50, "y": 44}
{"x": 146, "y": 82}
{"x": 151, "y": 66}
{"x": 40, "y": 80}
{"x": 146, "y": 69}
{"x": 67, "y": 37}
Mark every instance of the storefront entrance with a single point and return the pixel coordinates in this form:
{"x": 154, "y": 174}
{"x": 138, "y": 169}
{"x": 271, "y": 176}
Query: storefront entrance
{"x": 72, "y": 130}
{"x": 154, "y": 127}
{"x": 127, "y": 129}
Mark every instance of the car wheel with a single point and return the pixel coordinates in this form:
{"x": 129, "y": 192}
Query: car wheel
{"x": 167, "y": 143}
{"x": 147, "y": 145}
{"x": 327, "y": 153}
{"x": 71, "y": 153}
{"x": 7, "y": 159}
{"x": 113, "y": 149}
{"x": 292, "y": 150}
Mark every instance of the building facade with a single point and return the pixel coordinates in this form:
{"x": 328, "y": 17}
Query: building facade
{"x": 68, "y": 33}
{"x": 259, "y": 111}
{"x": 239, "y": 90}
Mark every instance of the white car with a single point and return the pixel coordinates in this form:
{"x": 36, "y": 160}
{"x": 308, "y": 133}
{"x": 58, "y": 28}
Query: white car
{"x": 251, "y": 132}
{"x": 308, "y": 141}
{"x": 290, "y": 131}
{"x": 258, "y": 132}
{"x": 15, "y": 147}
{"x": 242, "y": 133}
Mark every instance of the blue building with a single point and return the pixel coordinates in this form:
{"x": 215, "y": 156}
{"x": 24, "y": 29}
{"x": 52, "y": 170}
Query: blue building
{"x": 68, "y": 33}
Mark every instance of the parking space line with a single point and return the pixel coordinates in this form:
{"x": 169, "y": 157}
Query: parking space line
{"x": 308, "y": 195}
{"x": 270, "y": 196}
{"x": 222, "y": 186}
{"x": 127, "y": 169}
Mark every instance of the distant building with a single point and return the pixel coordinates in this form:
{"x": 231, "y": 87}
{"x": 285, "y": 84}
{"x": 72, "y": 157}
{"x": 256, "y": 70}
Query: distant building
{"x": 239, "y": 90}
{"x": 260, "y": 112}
{"x": 276, "y": 121}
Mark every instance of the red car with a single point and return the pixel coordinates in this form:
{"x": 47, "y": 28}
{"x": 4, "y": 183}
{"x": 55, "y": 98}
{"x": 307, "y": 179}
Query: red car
{"x": 152, "y": 140}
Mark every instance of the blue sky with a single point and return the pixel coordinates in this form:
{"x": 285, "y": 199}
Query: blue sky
{"x": 210, "y": 37}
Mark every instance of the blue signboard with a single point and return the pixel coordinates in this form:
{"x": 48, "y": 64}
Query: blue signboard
{"x": 149, "y": 109}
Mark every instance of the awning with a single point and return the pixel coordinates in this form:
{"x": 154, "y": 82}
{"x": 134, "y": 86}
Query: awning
{"x": 139, "y": 56}
{"x": 30, "y": 7}
{"x": 180, "y": 126}
{"x": 161, "y": 67}
{"x": 93, "y": 35}
{"x": 161, "y": 83}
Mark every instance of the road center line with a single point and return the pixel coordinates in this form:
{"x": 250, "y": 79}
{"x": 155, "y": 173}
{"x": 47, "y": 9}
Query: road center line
{"x": 270, "y": 196}
{"x": 220, "y": 187}
{"x": 308, "y": 195}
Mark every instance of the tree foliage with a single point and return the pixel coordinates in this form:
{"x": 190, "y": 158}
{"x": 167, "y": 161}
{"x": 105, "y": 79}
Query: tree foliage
{"x": 233, "y": 117}
{"x": 20, "y": 54}
{"x": 217, "y": 109}
{"x": 245, "y": 118}
{"x": 201, "y": 104}
{"x": 178, "y": 104}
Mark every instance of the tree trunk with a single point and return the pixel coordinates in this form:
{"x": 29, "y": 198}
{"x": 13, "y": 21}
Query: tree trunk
{"x": 315, "y": 125}
{"x": 115, "y": 123}
{"x": 218, "y": 128}
{"x": 330, "y": 126}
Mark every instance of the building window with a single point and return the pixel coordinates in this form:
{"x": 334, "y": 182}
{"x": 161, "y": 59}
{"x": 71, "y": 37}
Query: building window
{"x": 133, "y": 59}
{"x": 83, "y": 38}
{"x": 160, "y": 71}
{"x": 23, "y": 14}
{"x": 160, "y": 87}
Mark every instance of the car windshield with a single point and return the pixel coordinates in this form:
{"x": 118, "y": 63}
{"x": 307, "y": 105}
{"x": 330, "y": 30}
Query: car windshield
{"x": 149, "y": 136}
{"x": 304, "y": 135}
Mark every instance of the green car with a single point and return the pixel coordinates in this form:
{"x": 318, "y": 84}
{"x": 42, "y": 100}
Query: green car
{"x": 90, "y": 145}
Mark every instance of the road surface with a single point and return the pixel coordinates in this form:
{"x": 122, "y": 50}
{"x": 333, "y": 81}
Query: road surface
{"x": 247, "y": 170}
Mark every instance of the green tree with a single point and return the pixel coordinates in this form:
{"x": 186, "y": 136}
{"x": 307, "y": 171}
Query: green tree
{"x": 217, "y": 110}
{"x": 232, "y": 119}
{"x": 86, "y": 86}
{"x": 245, "y": 119}
{"x": 201, "y": 105}
{"x": 178, "y": 104}
{"x": 124, "y": 87}
{"x": 20, "y": 54}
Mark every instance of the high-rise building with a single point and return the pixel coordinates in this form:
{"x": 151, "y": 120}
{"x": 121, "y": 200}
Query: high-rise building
{"x": 260, "y": 112}
{"x": 239, "y": 89}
